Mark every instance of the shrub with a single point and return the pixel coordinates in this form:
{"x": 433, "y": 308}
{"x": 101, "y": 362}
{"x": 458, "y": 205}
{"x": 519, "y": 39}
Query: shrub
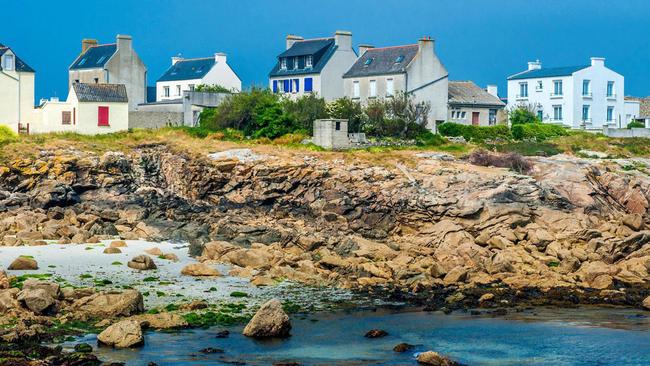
{"x": 305, "y": 110}
{"x": 290, "y": 139}
{"x": 346, "y": 108}
{"x": 537, "y": 131}
{"x": 7, "y": 135}
{"x": 512, "y": 161}
{"x": 400, "y": 117}
{"x": 212, "y": 88}
{"x": 475, "y": 133}
{"x": 636, "y": 124}
{"x": 522, "y": 115}
{"x": 428, "y": 138}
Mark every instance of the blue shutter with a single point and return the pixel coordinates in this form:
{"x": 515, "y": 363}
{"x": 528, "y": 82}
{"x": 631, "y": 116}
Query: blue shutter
{"x": 275, "y": 86}
{"x": 297, "y": 81}
{"x": 309, "y": 84}
{"x": 286, "y": 85}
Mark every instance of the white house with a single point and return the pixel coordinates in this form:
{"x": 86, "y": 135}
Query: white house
{"x": 112, "y": 63}
{"x": 313, "y": 66}
{"x": 414, "y": 69}
{"x": 589, "y": 96}
{"x": 90, "y": 109}
{"x": 16, "y": 91}
{"x": 186, "y": 74}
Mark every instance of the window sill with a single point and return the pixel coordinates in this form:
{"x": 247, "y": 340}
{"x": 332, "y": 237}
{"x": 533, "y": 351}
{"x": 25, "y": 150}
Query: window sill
{"x": 587, "y": 96}
{"x": 103, "y": 125}
{"x": 557, "y": 96}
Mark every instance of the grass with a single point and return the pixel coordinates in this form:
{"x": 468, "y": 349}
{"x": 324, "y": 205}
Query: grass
{"x": 238, "y": 294}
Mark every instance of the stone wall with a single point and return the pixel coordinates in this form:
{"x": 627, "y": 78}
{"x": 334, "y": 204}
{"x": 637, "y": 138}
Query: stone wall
{"x": 140, "y": 119}
{"x": 626, "y": 133}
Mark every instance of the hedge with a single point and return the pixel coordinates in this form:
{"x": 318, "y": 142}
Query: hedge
{"x": 537, "y": 131}
{"x": 475, "y": 133}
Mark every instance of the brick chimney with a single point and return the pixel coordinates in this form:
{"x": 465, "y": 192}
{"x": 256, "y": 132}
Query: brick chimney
{"x": 363, "y": 48}
{"x": 343, "y": 40}
{"x": 534, "y": 65}
{"x": 86, "y": 43}
{"x": 220, "y": 57}
{"x": 291, "y": 39}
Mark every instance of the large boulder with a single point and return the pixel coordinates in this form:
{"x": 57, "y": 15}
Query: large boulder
{"x": 52, "y": 195}
{"x": 110, "y": 304}
{"x": 23, "y": 264}
{"x": 161, "y": 321}
{"x": 4, "y": 280}
{"x": 199, "y": 269}
{"x": 269, "y": 321}
{"x": 646, "y": 303}
{"x": 142, "y": 262}
{"x": 124, "y": 334}
{"x": 435, "y": 359}
{"x": 8, "y": 300}
{"x": 37, "y": 300}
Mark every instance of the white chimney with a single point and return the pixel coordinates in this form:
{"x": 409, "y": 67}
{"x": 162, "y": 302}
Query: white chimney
{"x": 220, "y": 57}
{"x": 124, "y": 43}
{"x": 597, "y": 61}
{"x": 534, "y": 65}
{"x": 176, "y": 59}
{"x": 363, "y": 48}
{"x": 426, "y": 50}
{"x": 291, "y": 39}
{"x": 492, "y": 89}
{"x": 343, "y": 39}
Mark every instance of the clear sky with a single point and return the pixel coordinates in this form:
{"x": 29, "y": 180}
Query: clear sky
{"x": 479, "y": 40}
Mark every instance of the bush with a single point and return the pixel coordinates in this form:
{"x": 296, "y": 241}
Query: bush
{"x": 7, "y": 135}
{"x": 522, "y": 115}
{"x": 475, "y": 133}
{"x": 290, "y": 139}
{"x": 512, "y": 161}
{"x": 346, "y": 108}
{"x": 635, "y": 124}
{"x": 537, "y": 131}
{"x": 428, "y": 138}
{"x": 212, "y": 89}
{"x": 305, "y": 110}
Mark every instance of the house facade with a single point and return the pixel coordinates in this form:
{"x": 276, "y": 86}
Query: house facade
{"x": 412, "y": 69}
{"x": 588, "y": 96}
{"x": 313, "y": 66}
{"x": 186, "y": 74}
{"x": 115, "y": 63}
{"x": 90, "y": 109}
{"x": 471, "y": 105}
{"x": 16, "y": 91}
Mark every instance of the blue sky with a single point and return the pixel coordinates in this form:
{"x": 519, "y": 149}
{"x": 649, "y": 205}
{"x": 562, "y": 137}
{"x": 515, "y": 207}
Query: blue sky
{"x": 479, "y": 40}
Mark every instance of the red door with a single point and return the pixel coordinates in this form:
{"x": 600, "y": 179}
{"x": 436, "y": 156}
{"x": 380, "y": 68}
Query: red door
{"x": 475, "y": 116}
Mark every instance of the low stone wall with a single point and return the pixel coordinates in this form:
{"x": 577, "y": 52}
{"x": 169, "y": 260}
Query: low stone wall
{"x": 626, "y": 133}
{"x": 141, "y": 119}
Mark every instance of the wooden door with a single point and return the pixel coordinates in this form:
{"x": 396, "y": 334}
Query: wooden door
{"x": 475, "y": 116}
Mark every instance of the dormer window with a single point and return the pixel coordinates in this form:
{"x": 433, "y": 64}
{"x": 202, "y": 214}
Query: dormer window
{"x": 399, "y": 59}
{"x": 283, "y": 63}
{"x": 309, "y": 60}
{"x": 9, "y": 63}
{"x": 295, "y": 63}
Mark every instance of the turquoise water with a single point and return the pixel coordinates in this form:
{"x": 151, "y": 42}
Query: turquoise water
{"x": 537, "y": 337}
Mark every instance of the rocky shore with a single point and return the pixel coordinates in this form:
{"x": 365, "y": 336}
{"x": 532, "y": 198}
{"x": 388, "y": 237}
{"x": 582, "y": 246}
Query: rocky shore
{"x": 427, "y": 229}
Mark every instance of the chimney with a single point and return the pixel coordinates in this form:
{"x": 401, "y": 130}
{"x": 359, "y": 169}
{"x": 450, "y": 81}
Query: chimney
{"x": 343, "y": 40}
{"x": 291, "y": 39}
{"x": 87, "y": 43}
{"x": 492, "y": 89}
{"x": 124, "y": 44}
{"x": 598, "y": 61}
{"x": 534, "y": 65}
{"x": 176, "y": 59}
{"x": 426, "y": 49}
{"x": 220, "y": 57}
{"x": 363, "y": 48}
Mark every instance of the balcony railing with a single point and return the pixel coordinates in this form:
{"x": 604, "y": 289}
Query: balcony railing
{"x": 611, "y": 96}
{"x": 587, "y": 95}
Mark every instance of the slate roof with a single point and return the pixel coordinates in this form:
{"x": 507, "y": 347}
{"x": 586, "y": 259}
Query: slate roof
{"x": 188, "y": 69}
{"x": 547, "y": 72}
{"x": 94, "y": 57}
{"x": 468, "y": 93}
{"x": 383, "y": 61}
{"x": 320, "y": 49}
{"x": 644, "y": 106}
{"x": 101, "y": 93}
{"x": 21, "y": 66}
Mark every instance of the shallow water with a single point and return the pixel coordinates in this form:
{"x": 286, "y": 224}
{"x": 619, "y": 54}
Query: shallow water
{"x": 588, "y": 336}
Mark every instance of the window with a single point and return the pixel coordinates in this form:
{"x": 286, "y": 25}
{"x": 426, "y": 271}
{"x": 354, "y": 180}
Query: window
{"x": 492, "y": 117}
{"x": 540, "y": 115}
{"x": 372, "y": 88}
{"x": 390, "y": 87}
{"x": 96, "y": 80}
{"x": 338, "y": 126}
{"x": 275, "y": 86}
{"x": 557, "y": 112}
{"x": 74, "y": 116}
{"x": 101, "y": 59}
{"x": 557, "y": 87}
{"x": 10, "y": 63}
{"x": 309, "y": 84}
{"x": 463, "y": 115}
{"x": 191, "y": 87}
{"x": 585, "y": 113}
{"x": 76, "y": 81}
{"x": 295, "y": 62}
{"x": 610, "y": 114}
{"x": 523, "y": 90}
{"x": 83, "y": 61}
{"x": 540, "y": 86}
{"x": 178, "y": 90}
{"x": 66, "y": 117}
{"x": 166, "y": 91}
{"x": 399, "y": 59}
{"x": 296, "y": 85}
{"x": 286, "y": 86}
{"x": 355, "y": 89}
{"x": 309, "y": 60}
{"x": 283, "y": 63}
{"x": 102, "y": 116}
{"x": 586, "y": 88}
{"x": 610, "y": 89}
{"x": 368, "y": 62}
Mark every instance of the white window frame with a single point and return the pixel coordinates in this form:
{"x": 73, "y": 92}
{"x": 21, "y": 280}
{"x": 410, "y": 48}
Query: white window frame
{"x": 390, "y": 87}
{"x": 586, "y": 88}
{"x": 610, "y": 113}
{"x": 586, "y": 112}
{"x": 558, "y": 88}
{"x": 309, "y": 61}
{"x": 540, "y": 86}
{"x": 191, "y": 86}
{"x": 610, "y": 89}
{"x": 9, "y": 62}
{"x": 166, "y": 91}
{"x": 372, "y": 89}
{"x": 356, "y": 90}
{"x": 178, "y": 90}
{"x": 283, "y": 63}
{"x": 523, "y": 90}
{"x": 557, "y": 116}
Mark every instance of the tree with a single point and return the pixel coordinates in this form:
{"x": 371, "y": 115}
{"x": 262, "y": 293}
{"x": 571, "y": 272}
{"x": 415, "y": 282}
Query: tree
{"x": 212, "y": 89}
{"x": 400, "y": 116}
{"x": 305, "y": 110}
{"x": 523, "y": 114}
{"x": 346, "y": 108}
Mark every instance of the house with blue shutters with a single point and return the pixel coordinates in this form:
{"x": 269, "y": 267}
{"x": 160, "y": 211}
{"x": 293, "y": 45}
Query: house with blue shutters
{"x": 186, "y": 74}
{"x": 313, "y": 66}
{"x": 113, "y": 63}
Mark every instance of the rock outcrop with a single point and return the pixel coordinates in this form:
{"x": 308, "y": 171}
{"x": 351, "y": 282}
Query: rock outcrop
{"x": 270, "y": 321}
{"x": 109, "y": 305}
{"x": 199, "y": 270}
{"x": 435, "y": 359}
{"x": 124, "y": 334}
{"x": 142, "y": 262}
{"x": 23, "y": 264}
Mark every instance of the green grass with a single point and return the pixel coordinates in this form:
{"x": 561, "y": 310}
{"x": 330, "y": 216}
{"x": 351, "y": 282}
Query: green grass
{"x": 526, "y": 148}
{"x": 238, "y": 294}
{"x": 150, "y": 279}
{"x": 18, "y": 280}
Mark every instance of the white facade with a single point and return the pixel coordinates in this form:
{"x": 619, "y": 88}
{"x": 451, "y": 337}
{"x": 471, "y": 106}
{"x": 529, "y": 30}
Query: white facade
{"x": 220, "y": 73}
{"x": 583, "y": 97}
{"x": 16, "y": 92}
{"x": 632, "y": 111}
